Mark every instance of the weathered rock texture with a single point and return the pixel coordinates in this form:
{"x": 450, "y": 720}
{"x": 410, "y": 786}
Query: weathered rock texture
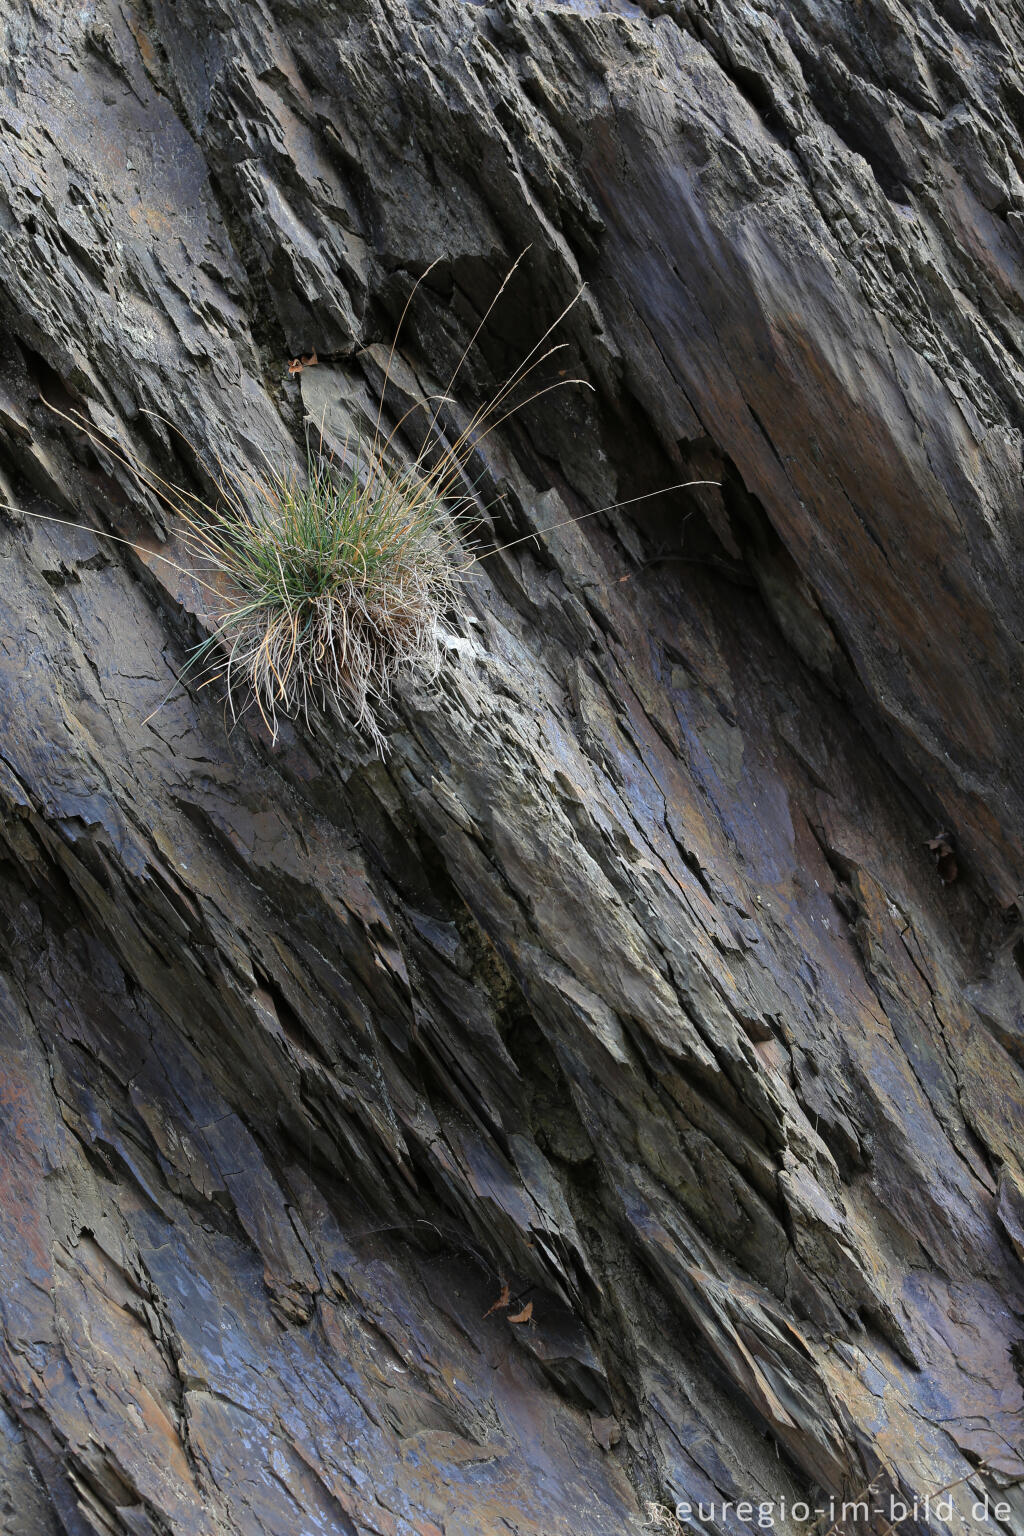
{"x": 627, "y": 979}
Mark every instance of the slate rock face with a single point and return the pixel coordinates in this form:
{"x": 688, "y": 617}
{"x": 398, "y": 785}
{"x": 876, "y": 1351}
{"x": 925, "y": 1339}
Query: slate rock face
{"x": 628, "y": 980}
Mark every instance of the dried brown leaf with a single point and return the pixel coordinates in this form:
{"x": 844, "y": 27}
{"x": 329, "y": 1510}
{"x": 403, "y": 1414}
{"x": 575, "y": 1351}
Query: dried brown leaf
{"x": 502, "y": 1301}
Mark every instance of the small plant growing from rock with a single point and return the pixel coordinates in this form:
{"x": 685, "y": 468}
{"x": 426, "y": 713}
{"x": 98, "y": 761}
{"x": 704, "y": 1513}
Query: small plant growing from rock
{"x": 334, "y": 584}
{"x": 331, "y": 584}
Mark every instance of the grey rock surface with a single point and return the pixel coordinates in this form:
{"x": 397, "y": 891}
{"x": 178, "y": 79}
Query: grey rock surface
{"x": 628, "y": 979}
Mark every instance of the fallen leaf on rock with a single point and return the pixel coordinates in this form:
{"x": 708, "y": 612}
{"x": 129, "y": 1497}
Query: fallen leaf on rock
{"x": 523, "y": 1316}
{"x": 502, "y": 1301}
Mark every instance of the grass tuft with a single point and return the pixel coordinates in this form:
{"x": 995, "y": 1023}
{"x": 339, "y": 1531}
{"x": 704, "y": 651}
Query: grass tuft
{"x": 331, "y": 584}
